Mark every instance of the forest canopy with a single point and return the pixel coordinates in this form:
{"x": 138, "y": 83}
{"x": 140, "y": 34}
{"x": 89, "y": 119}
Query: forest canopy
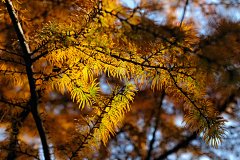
{"x": 55, "y": 58}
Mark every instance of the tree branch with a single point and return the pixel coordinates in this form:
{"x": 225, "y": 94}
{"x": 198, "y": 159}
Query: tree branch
{"x": 94, "y": 124}
{"x": 155, "y": 128}
{"x": 40, "y": 47}
{"x": 182, "y": 144}
{"x": 34, "y": 95}
{"x": 185, "y": 142}
{"x": 13, "y": 104}
{"x": 139, "y": 27}
{"x": 12, "y": 60}
{"x": 11, "y": 52}
{"x": 16, "y": 125}
{"x": 192, "y": 102}
{"x": 12, "y": 72}
{"x": 174, "y": 68}
{"x": 21, "y": 152}
{"x": 39, "y": 56}
{"x": 184, "y": 11}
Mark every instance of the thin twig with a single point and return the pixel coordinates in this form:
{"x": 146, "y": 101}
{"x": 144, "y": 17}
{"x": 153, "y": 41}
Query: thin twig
{"x": 184, "y": 11}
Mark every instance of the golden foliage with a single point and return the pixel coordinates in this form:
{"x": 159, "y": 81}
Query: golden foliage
{"x": 116, "y": 41}
{"x": 167, "y": 63}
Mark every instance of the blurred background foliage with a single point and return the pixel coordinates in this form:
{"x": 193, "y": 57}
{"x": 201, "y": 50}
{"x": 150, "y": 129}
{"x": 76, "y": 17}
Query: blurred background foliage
{"x": 153, "y": 128}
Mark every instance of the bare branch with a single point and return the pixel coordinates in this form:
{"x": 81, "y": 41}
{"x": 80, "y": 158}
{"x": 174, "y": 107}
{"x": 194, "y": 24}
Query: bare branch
{"x": 182, "y": 144}
{"x": 155, "y": 128}
{"x": 34, "y": 95}
{"x": 184, "y": 12}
